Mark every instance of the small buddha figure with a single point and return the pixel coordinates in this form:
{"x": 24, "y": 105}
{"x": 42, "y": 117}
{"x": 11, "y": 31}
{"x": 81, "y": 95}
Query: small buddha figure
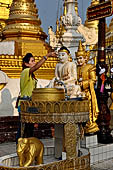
{"x": 87, "y": 79}
{"x": 66, "y": 72}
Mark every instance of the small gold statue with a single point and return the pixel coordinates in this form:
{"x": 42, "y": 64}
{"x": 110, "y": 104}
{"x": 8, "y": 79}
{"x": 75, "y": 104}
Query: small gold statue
{"x": 29, "y": 150}
{"x": 87, "y": 79}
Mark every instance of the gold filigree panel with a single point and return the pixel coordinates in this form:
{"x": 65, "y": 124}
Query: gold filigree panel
{"x": 57, "y": 107}
{"x": 70, "y": 139}
{"x": 68, "y": 164}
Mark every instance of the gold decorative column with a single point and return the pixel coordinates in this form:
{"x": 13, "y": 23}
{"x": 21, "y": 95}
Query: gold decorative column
{"x": 70, "y": 139}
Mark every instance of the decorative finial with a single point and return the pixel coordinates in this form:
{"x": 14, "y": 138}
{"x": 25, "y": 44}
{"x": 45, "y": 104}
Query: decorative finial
{"x": 76, "y": 7}
{"x": 65, "y": 8}
{"x": 81, "y": 50}
{"x": 57, "y": 27}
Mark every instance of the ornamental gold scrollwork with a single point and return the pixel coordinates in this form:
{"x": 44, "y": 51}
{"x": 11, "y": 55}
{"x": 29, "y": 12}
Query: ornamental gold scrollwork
{"x": 70, "y": 139}
{"x": 68, "y": 164}
{"x": 55, "y": 118}
{"x": 58, "y": 107}
{"x": 49, "y": 107}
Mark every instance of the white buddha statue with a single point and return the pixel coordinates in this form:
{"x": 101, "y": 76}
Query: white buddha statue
{"x": 66, "y": 73}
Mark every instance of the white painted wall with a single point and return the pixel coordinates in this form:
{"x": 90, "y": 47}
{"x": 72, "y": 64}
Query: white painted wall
{"x": 9, "y": 94}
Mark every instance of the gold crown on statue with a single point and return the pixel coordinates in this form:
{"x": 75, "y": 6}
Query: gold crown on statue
{"x": 81, "y": 51}
{"x": 64, "y": 49}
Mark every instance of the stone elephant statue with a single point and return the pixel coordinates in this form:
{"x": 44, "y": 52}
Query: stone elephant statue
{"x": 28, "y": 150}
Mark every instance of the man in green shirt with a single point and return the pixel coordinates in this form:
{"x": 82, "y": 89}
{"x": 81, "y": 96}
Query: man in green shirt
{"x": 27, "y": 84}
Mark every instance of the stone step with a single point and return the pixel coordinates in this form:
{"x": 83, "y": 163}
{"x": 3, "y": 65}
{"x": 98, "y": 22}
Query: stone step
{"x": 100, "y": 152}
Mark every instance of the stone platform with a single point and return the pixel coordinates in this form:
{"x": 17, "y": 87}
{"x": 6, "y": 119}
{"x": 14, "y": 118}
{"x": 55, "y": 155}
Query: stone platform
{"x": 98, "y": 152}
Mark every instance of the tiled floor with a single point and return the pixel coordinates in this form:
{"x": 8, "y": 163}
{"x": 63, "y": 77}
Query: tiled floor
{"x": 8, "y": 148}
{"x": 106, "y": 165}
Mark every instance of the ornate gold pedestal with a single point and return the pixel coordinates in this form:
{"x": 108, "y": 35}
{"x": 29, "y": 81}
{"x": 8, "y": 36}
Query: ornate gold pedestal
{"x": 69, "y": 113}
{"x": 49, "y": 106}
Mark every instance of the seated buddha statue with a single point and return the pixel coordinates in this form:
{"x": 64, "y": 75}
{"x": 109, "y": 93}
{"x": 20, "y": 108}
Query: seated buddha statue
{"x": 87, "y": 79}
{"x": 66, "y": 73}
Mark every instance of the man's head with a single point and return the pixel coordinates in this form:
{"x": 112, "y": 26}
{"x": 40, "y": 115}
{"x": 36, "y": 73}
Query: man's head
{"x": 28, "y": 61}
{"x": 63, "y": 54}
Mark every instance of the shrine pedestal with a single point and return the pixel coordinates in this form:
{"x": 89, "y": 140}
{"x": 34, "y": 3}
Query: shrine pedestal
{"x": 65, "y": 115}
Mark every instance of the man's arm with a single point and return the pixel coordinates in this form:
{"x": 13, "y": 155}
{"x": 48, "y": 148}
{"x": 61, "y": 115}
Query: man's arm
{"x": 39, "y": 64}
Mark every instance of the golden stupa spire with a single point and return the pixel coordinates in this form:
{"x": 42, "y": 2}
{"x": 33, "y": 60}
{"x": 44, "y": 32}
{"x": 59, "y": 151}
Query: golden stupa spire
{"x": 23, "y": 20}
{"x": 25, "y": 35}
{"x": 57, "y": 28}
{"x": 92, "y": 24}
{"x": 23, "y": 27}
{"x": 65, "y": 8}
{"x": 76, "y": 7}
{"x": 61, "y": 24}
{"x": 61, "y": 29}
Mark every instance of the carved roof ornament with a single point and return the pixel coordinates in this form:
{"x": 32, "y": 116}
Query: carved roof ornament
{"x": 23, "y": 19}
{"x": 90, "y": 35}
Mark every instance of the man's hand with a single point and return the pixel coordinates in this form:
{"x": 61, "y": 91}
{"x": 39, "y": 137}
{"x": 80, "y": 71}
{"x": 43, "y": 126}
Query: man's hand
{"x": 51, "y": 54}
